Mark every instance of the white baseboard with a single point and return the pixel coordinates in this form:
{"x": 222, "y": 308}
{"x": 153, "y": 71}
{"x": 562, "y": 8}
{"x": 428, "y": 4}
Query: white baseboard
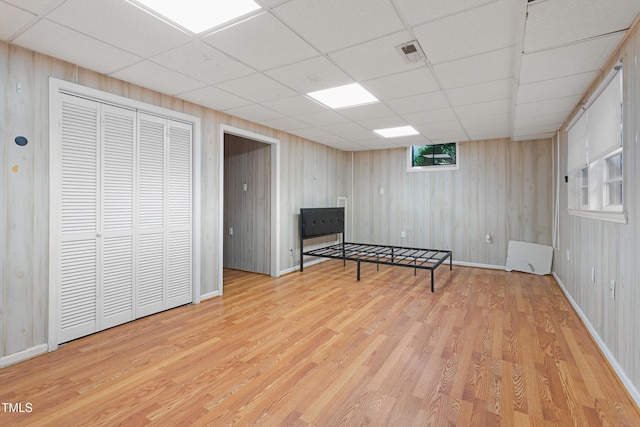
{"x": 475, "y": 264}
{"x": 209, "y": 295}
{"x": 306, "y": 264}
{"x": 628, "y": 384}
{"x": 23, "y": 355}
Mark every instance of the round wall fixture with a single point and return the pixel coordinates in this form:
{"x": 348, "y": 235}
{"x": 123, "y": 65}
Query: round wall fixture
{"x": 21, "y": 141}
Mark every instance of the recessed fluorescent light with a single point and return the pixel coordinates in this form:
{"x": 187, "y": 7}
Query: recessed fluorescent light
{"x": 396, "y": 132}
{"x": 345, "y": 96}
{"x": 198, "y": 15}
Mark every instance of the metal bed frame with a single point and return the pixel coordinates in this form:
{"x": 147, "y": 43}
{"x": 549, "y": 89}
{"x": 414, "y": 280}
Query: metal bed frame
{"x": 320, "y": 222}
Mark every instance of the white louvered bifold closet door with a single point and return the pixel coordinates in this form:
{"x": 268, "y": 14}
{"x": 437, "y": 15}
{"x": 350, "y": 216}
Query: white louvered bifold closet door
{"x": 179, "y": 215}
{"x": 164, "y": 214}
{"x": 151, "y": 215}
{"x": 78, "y": 218}
{"x": 117, "y": 219}
{"x": 123, "y": 227}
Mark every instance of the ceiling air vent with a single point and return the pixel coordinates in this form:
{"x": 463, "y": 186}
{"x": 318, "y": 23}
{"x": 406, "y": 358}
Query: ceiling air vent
{"x": 411, "y": 52}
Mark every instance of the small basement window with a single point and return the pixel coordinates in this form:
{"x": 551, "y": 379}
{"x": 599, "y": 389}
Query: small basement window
{"x": 433, "y": 157}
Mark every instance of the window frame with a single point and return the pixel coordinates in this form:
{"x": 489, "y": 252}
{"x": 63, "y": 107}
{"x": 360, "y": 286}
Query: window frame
{"x": 433, "y": 168}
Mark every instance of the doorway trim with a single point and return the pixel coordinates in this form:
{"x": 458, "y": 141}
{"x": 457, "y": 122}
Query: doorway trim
{"x": 274, "y": 269}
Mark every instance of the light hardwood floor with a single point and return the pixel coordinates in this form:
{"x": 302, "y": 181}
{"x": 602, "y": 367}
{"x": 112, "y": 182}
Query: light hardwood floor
{"x": 318, "y": 348}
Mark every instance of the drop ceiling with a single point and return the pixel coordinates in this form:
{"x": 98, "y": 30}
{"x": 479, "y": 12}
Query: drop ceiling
{"x": 492, "y": 68}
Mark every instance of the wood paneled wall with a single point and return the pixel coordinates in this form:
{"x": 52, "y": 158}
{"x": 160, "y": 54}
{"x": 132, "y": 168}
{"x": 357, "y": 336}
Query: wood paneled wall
{"x": 247, "y": 212}
{"x": 503, "y": 188}
{"x": 24, "y": 186}
{"x": 613, "y": 250}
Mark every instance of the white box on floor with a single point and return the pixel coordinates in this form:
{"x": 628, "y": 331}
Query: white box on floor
{"x": 529, "y": 257}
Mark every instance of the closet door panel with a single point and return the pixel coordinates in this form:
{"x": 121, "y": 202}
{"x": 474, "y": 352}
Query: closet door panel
{"x": 117, "y": 221}
{"x": 151, "y": 275}
{"x": 77, "y": 210}
{"x": 179, "y": 274}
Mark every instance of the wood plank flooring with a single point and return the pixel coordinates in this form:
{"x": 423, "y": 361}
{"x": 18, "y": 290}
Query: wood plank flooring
{"x": 489, "y": 348}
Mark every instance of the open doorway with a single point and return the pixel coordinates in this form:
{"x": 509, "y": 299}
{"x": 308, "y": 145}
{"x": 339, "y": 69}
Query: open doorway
{"x": 249, "y": 202}
{"x": 247, "y": 205}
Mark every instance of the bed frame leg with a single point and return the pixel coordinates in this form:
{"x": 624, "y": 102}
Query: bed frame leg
{"x": 432, "y": 290}
{"x": 358, "y": 270}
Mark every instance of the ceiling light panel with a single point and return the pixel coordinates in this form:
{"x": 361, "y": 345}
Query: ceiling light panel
{"x": 346, "y": 96}
{"x": 198, "y": 15}
{"x": 396, "y": 132}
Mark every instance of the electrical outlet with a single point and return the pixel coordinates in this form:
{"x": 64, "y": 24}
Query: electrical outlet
{"x": 568, "y": 255}
{"x": 290, "y": 252}
{"x": 403, "y": 234}
{"x": 593, "y": 275}
{"x": 230, "y": 231}
{"x": 612, "y": 289}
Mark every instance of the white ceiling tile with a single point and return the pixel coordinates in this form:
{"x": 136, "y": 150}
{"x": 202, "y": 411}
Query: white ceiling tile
{"x": 312, "y": 133}
{"x": 407, "y": 141}
{"x": 482, "y": 68}
{"x": 257, "y": 88}
{"x": 13, "y": 19}
{"x": 575, "y": 84}
{"x": 214, "y": 98}
{"x": 536, "y": 120}
{"x": 556, "y": 23}
{"x": 271, "y": 3}
{"x": 433, "y": 116}
{"x": 202, "y": 62}
{"x": 347, "y": 128}
{"x": 34, "y": 6}
{"x": 443, "y": 131}
{"x": 419, "y": 80}
{"x": 573, "y": 59}
{"x": 488, "y": 127}
{"x": 120, "y": 24}
{"x": 369, "y": 111}
{"x": 483, "y": 92}
{"x": 330, "y": 25}
{"x": 375, "y": 58}
{"x": 418, "y": 103}
{"x": 295, "y": 106}
{"x": 380, "y": 144}
{"x": 55, "y": 40}
{"x": 330, "y": 139}
{"x": 560, "y": 106}
{"x": 156, "y": 77}
{"x": 254, "y": 112}
{"x": 322, "y": 118}
{"x": 262, "y": 42}
{"x": 381, "y": 122}
{"x": 484, "y": 109}
{"x": 491, "y": 27}
{"x": 284, "y": 123}
{"x": 547, "y": 128}
{"x": 419, "y": 11}
{"x": 310, "y": 75}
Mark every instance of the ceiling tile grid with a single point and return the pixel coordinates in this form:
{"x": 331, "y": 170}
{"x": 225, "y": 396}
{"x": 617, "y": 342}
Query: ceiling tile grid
{"x": 262, "y": 67}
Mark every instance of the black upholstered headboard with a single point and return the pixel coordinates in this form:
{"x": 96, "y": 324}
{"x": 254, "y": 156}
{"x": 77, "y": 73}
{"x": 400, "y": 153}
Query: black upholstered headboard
{"x": 317, "y": 222}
